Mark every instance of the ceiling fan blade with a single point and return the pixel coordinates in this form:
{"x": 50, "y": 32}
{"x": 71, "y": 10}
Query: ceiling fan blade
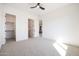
{"x": 41, "y": 8}
{"x": 34, "y": 6}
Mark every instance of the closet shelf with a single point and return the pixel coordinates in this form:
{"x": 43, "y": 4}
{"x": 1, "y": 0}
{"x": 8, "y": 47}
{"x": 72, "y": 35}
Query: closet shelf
{"x": 9, "y": 23}
{"x": 9, "y": 30}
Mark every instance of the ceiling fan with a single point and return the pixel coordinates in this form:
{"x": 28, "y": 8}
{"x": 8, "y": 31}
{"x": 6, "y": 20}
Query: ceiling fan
{"x": 38, "y": 5}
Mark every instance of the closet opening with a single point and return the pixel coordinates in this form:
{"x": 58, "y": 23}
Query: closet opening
{"x": 30, "y": 28}
{"x": 10, "y": 25}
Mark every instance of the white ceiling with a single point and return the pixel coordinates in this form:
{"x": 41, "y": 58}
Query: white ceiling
{"x": 48, "y": 7}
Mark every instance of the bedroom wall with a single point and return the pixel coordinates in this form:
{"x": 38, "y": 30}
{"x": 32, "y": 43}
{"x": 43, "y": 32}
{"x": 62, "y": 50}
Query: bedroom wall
{"x": 62, "y": 24}
{"x": 21, "y": 22}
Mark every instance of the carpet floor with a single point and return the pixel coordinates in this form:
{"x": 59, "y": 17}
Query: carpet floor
{"x": 34, "y": 47}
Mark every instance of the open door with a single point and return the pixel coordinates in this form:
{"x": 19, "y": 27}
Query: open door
{"x": 30, "y": 28}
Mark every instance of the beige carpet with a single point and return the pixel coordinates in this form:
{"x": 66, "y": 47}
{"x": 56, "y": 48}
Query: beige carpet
{"x": 32, "y": 47}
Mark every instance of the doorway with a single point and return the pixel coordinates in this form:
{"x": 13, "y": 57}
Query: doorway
{"x": 30, "y": 28}
{"x": 40, "y": 28}
{"x": 10, "y": 27}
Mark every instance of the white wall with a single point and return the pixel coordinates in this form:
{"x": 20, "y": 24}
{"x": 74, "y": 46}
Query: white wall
{"x": 63, "y": 24}
{"x": 2, "y": 26}
{"x": 36, "y": 24}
